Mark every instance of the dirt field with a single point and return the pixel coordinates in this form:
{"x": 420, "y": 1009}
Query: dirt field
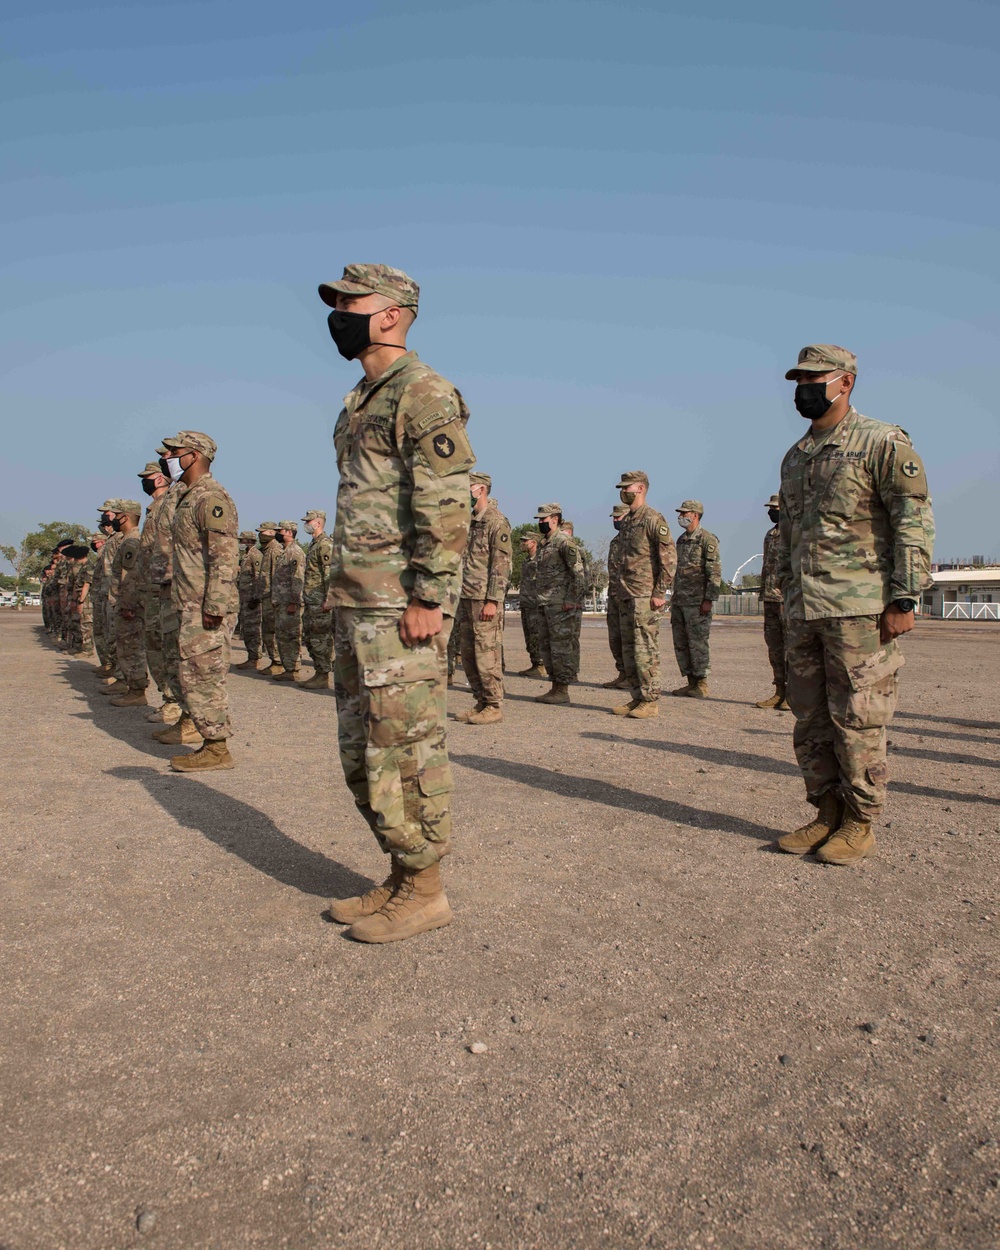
{"x": 692, "y": 1040}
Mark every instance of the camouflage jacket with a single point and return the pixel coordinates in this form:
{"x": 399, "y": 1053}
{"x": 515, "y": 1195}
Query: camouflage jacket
{"x": 270, "y": 555}
{"x": 487, "y": 561}
{"x": 102, "y": 583}
{"x": 125, "y": 587}
{"x": 89, "y": 570}
{"x": 62, "y": 578}
{"x": 770, "y": 585}
{"x": 856, "y": 528}
{"x": 206, "y": 550}
{"x": 147, "y": 539}
{"x": 161, "y": 560}
{"x": 288, "y": 579}
{"x": 615, "y": 566}
{"x": 560, "y": 577}
{"x": 528, "y": 590}
{"x": 646, "y": 555}
{"x": 249, "y": 575}
{"x": 319, "y": 558}
{"x": 699, "y": 571}
{"x": 403, "y": 499}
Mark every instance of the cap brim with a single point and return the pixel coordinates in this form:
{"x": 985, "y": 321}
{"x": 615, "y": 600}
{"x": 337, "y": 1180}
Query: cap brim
{"x": 328, "y": 291}
{"x": 790, "y": 375}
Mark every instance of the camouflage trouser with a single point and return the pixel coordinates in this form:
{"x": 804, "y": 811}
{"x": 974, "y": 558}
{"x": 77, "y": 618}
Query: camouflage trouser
{"x": 690, "y": 630}
{"x": 288, "y": 636}
{"x": 202, "y": 671}
{"x": 641, "y": 648}
{"x": 615, "y": 633}
{"x": 130, "y": 637}
{"x": 452, "y": 651}
{"x": 480, "y": 645}
{"x": 559, "y": 639}
{"x": 251, "y": 617}
{"x": 74, "y": 632}
{"x": 267, "y": 629}
{"x": 100, "y": 641}
{"x": 153, "y": 639}
{"x": 317, "y": 634}
{"x": 842, "y": 688}
{"x": 87, "y": 626}
{"x": 170, "y": 624}
{"x": 111, "y": 635}
{"x": 391, "y": 702}
{"x": 529, "y": 627}
{"x": 774, "y": 636}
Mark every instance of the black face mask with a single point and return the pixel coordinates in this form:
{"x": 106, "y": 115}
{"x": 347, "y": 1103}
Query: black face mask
{"x": 543, "y": 527}
{"x": 617, "y": 524}
{"x": 164, "y": 467}
{"x": 148, "y": 485}
{"x": 811, "y": 401}
{"x": 106, "y": 518}
{"x": 116, "y": 525}
{"x": 774, "y": 514}
{"x": 351, "y": 333}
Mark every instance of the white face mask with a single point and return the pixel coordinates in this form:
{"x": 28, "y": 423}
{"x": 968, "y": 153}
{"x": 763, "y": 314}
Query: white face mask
{"x": 174, "y": 468}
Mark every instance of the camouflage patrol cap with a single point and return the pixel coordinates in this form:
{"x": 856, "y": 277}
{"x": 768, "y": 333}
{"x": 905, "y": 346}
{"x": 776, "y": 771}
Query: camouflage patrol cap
{"x": 618, "y": 511}
{"x": 109, "y": 505}
{"x": 824, "y": 358}
{"x": 481, "y": 479}
{"x": 529, "y": 538}
{"x": 635, "y": 475}
{"x": 132, "y": 507}
{"x": 548, "y": 509}
{"x": 267, "y": 525}
{"x": 98, "y": 537}
{"x": 152, "y": 466}
{"x": 773, "y": 502}
{"x": 373, "y": 280}
{"x": 692, "y": 505}
{"x": 289, "y": 525}
{"x": 314, "y": 514}
{"x": 193, "y": 440}
{"x": 162, "y": 451}
{"x": 247, "y": 536}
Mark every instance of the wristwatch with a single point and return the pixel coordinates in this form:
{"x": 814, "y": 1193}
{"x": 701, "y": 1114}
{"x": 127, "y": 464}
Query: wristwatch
{"x": 426, "y": 603}
{"x": 904, "y": 605}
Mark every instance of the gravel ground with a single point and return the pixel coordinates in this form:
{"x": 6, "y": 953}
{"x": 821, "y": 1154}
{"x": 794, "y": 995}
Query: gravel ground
{"x": 690, "y": 1039}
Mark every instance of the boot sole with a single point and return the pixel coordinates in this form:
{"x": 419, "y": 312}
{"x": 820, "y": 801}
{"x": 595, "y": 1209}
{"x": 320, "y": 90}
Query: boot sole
{"x": 403, "y": 931}
{"x": 204, "y": 768}
{"x": 846, "y": 863}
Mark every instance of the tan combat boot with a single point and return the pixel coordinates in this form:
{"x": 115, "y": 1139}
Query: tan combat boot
{"x": 783, "y": 706}
{"x": 134, "y": 698}
{"x": 182, "y": 734}
{"x": 463, "y": 718}
{"x": 684, "y": 690}
{"x": 211, "y": 755}
{"x": 104, "y": 670}
{"x": 247, "y": 663}
{"x": 775, "y": 699}
{"x": 621, "y": 682}
{"x": 645, "y": 709}
{"x": 169, "y": 713}
{"x": 347, "y": 910}
{"x": 488, "y": 714}
{"x": 116, "y": 688}
{"x": 812, "y": 836}
{"x": 626, "y": 708}
{"x": 285, "y": 674}
{"x": 418, "y": 905}
{"x": 558, "y": 694}
{"x": 535, "y": 670}
{"x": 850, "y": 843}
{"x": 318, "y": 681}
{"x": 699, "y": 689}
{"x": 273, "y": 669}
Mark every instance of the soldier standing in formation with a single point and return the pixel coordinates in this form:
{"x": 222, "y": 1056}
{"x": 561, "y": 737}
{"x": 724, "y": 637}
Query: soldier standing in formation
{"x": 560, "y": 586}
{"x": 287, "y": 583}
{"x": 855, "y": 539}
{"x": 271, "y": 549}
{"x": 486, "y": 566}
{"x": 249, "y": 603}
{"x": 614, "y": 611}
{"x": 126, "y": 592}
{"x": 317, "y": 621}
{"x": 155, "y": 484}
{"x": 105, "y": 604}
{"x": 774, "y": 623}
{"x": 85, "y": 605}
{"x": 400, "y": 531}
{"x": 696, "y": 587}
{"x": 528, "y": 599}
{"x": 647, "y": 559}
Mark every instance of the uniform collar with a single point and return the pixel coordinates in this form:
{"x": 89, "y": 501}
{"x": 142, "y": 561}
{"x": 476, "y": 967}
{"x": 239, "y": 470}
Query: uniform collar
{"x": 365, "y": 390}
{"x": 835, "y": 437}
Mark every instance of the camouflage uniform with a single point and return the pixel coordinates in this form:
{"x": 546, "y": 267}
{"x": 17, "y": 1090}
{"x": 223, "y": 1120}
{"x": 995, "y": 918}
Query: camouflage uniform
{"x": 205, "y": 568}
{"x": 149, "y": 596}
{"x": 270, "y": 553}
{"x": 401, "y": 527}
{"x": 528, "y": 597}
{"x": 74, "y": 632}
{"x": 486, "y": 568}
{"x": 286, "y": 592}
{"x": 774, "y": 623}
{"x": 317, "y": 625}
{"x": 647, "y": 559}
{"x": 698, "y": 577}
{"x": 856, "y": 532}
{"x": 161, "y": 574}
{"x": 127, "y": 594}
{"x": 615, "y": 602}
{"x": 107, "y": 604}
{"x": 61, "y": 598}
{"x": 560, "y": 580}
{"x": 248, "y": 586}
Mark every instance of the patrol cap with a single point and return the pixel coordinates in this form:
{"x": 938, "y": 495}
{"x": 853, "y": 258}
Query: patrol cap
{"x": 247, "y": 536}
{"x": 692, "y": 505}
{"x": 151, "y": 467}
{"x": 130, "y": 506}
{"x": 98, "y": 537}
{"x": 773, "y": 502}
{"x": 548, "y": 509}
{"x": 529, "y": 538}
{"x": 314, "y": 514}
{"x": 481, "y": 479}
{"x": 267, "y": 525}
{"x": 109, "y": 505}
{"x": 824, "y": 358}
{"x": 162, "y": 451}
{"x": 635, "y": 475}
{"x": 193, "y": 440}
{"x": 373, "y": 280}
{"x": 289, "y": 525}
{"x": 618, "y": 511}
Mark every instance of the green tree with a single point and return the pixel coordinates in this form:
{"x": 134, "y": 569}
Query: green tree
{"x": 32, "y": 556}
{"x": 516, "y": 534}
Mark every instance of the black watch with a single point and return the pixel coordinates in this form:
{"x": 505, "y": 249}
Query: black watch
{"x": 426, "y": 603}
{"x": 904, "y": 605}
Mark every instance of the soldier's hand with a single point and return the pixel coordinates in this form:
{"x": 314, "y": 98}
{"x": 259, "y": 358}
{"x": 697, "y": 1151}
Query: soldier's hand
{"x": 893, "y": 623}
{"x": 570, "y": 607}
{"x": 656, "y": 604}
{"x": 706, "y": 607}
{"x": 292, "y": 609}
{"x": 128, "y": 614}
{"x": 489, "y": 611}
{"x": 210, "y": 622}
{"x": 418, "y": 623}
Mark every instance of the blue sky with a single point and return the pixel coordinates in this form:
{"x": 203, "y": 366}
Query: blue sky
{"x": 625, "y": 219}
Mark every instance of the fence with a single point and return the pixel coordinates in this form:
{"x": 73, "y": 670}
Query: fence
{"x": 969, "y": 612}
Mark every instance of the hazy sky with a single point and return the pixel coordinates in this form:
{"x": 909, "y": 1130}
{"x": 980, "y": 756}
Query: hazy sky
{"x": 625, "y": 220}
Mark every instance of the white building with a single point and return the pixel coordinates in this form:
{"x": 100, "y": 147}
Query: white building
{"x": 964, "y": 588}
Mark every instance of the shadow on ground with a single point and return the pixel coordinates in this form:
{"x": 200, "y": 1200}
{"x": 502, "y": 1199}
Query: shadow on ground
{"x": 711, "y": 755}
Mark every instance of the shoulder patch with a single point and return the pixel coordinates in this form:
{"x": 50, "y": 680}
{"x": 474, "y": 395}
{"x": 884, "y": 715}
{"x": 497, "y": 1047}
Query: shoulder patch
{"x": 664, "y": 529}
{"x": 217, "y": 510}
{"x": 446, "y": 449}
{"x": 504, "y": 537}
{"x": 217, "y": 515}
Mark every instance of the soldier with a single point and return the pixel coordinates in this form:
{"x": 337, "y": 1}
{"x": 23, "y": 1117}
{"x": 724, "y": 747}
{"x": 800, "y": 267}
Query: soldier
{"x": 248, "y": 584}
{"x": 774, "y": 624}
{"x": 145, "y": 593}
{"x": 96, "y": 596}
{"x": 127, "y": 593}
{"x": 560, "y": 582}
{"x": 401, "y": 528}
{"x": 614, "y": 612}
{"x": 856, "y": 534}
{"x": 60, "y": 598}
{"x": 317, "y": 620}
{"x": 76, "y": 554}
{"x": 85, "y": 604}
{"x": 205, "y": 599}
{"x": 271, "y": 549}
{"x": 105, "y": 604}
{"x": 647, "y": 561}
{"x": 286, "y": 595}
{"x": 696, "y": 588}
{"x": 486, "y": 568}
{"x": 528, "y": 598}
